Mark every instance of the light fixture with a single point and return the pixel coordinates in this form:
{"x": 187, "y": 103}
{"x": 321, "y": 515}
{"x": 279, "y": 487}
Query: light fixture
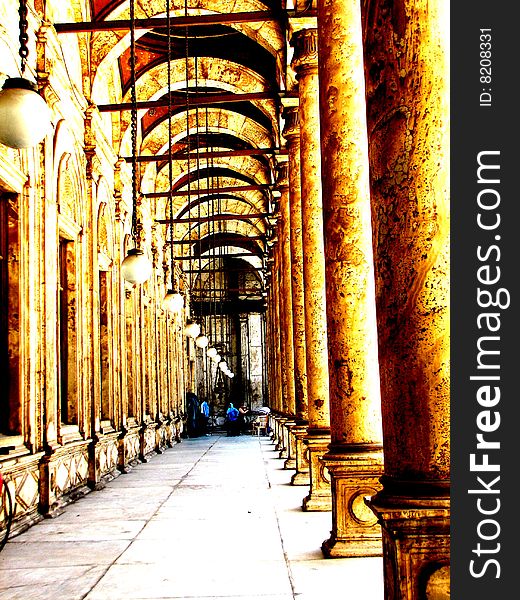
{"x": 201, "y": 341}
{"x": 222, "y": 365}
{"x": 25, "y": 118}
{"x": 136, "y": 267}
{"x": 173, "y": 302}
{"x": 192, "y": 329}
{"x": 211, "y": 352}
{"x": 216, "y": 358}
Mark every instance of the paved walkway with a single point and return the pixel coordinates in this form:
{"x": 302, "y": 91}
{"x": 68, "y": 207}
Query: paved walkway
{"x": 211, "y": 518}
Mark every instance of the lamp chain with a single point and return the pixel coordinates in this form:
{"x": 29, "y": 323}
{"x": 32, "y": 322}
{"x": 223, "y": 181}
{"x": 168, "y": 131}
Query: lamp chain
{"x": 133, "y": 123}
{"x": 24, "y": 36}
{"x": 170, "y": 166}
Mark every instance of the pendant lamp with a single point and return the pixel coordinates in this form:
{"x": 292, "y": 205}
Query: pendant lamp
{"x": 25, "y": 118}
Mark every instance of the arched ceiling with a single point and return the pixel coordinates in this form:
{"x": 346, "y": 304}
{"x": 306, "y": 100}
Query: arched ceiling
{"x": 208, "y": 106}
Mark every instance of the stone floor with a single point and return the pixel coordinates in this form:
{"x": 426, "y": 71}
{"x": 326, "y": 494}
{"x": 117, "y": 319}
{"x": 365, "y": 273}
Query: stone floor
{"x": 213, "y": 517}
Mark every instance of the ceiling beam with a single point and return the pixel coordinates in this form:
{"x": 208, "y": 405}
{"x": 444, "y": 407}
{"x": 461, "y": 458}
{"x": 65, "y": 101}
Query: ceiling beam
{"x": 203, "y": 155}
{"x": 206, "y": 291}
{"x": 232, "y": 240}
{"x": 223, "y": 270}
{"x": 219, "y": 217}
{"x": 211, "y": 256}
{"x": 180, "y": 21}
{"x": 196, "y": 99}
{"x": 173, "y": 21}
{"x": 217, "y": 190}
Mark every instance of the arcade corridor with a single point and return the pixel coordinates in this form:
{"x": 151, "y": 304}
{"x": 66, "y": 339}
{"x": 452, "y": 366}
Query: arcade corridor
{"x": 219, "y": 202}
{"x": 173, "y": 528}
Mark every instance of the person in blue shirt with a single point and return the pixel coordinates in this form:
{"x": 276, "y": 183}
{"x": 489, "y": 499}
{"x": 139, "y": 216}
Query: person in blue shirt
{"x": 232, "y": 420}
{"x": 204, "y": 418}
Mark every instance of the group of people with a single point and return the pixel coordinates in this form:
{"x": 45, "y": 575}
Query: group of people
{"x": 235, "y": 419}
{"x": 236, "y": 422}
{"x": 198, "y": 417}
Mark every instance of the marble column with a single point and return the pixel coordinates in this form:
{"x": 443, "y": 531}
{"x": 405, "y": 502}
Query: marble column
{"x": 291, "y": 132}
{"x": 407, "y": 86}
{"x": 282, "y": 184}
{"x": 305, "y": 65}
{"x": 355, "y": 456}
{"x": 276, "y": 324}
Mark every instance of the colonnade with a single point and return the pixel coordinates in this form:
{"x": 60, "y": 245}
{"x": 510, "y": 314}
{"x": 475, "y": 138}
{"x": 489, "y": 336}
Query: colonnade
{"x": 358, "y": 297}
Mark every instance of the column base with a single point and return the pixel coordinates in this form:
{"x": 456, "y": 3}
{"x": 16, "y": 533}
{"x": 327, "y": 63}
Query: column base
{"x": 319, "y": 497}
{"x": 355, "y": 530}
{"x": 302, "y": 476}
{"x": 290, "y": 463}
{"x": 279, "y": 434}
{"x": 317, "y": 503}
{"x": 416, "y": 545}
{"x": 287, "y": 450}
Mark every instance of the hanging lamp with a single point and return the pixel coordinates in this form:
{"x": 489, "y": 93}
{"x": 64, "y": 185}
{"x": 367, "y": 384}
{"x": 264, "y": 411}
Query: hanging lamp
{"x": 192, "y": 329}
{"x": 201, "y": 341}
{"x": 136, "y": 268}
{"x": 173, "y": 301}
{"x": 25, "y": 118}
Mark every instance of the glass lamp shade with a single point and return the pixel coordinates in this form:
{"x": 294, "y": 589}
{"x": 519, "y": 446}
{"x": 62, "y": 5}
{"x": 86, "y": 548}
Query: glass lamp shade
{"x": 212, "y": 352}
{"x": 136, "y": 268}
{"x": 231, "y": 375}
{"x": 201, "y": 341}
{"x": 222, "y": 365}
{"x": 192, "y": 329}
{"x": 216, "y": 358}
{"x": 25, "y": 118}
{"x": 173, "y": 302}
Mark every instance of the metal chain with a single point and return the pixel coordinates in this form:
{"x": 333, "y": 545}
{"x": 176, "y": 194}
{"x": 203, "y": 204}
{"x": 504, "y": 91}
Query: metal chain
{"x": 170, "y": 167}
{"x": 133, "y": 123}
{"x": 24, "y": 36}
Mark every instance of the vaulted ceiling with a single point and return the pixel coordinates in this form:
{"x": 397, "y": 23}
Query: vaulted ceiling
{"x": 208, "y": 86}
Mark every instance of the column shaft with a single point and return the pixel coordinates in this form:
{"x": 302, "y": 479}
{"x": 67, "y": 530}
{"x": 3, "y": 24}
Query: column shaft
{"x": 355, "y": 456}
{"x": 305, "y": 63}
{"x": 291, "y": 132}
{"x": 284, "y": 244}
{"x": 407, "y": 74}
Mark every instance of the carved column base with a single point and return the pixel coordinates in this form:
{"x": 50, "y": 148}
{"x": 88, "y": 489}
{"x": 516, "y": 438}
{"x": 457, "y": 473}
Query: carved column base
{"x": 280, "y": 421}
{"x": 147, "y": 441}
{"x": 301, "y": 477}
{"x": 355, "y": 530}
{"x": 287, "y": 451}
{"x": 416, "y": 545}
{"x": 320, "y": 497}
{"x": 290, "y": 463}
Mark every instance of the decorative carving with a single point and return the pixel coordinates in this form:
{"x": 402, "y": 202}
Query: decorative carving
{"x": 291, "y": 115}
{"x": 305, "y": 44}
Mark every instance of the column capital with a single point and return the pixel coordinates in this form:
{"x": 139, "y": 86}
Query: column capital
{"x": 305, "y": 44}
{"x": 282, "y": 175}
{"x": 291, "y": 128}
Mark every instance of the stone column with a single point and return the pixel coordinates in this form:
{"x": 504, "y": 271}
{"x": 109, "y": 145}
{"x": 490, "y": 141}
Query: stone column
{"x": 286, "y": 331}
{"x": 277, "y": 370}
{"x": 305, "y": 64}
{"x": 355, "y": 456}
{"x": 407, "y": 78}
{"x": 291, "y": 133}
